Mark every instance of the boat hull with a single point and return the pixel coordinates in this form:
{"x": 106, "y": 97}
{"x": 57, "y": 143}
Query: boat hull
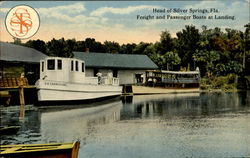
{"x": 159, "y": 90}
{"x": 56, "y": 91}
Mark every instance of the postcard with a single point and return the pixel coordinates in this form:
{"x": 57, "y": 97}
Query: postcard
{"x": 125, "y": 78}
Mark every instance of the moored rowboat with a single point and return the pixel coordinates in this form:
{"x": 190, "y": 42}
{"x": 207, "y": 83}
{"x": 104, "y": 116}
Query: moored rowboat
{"x": 55, "y": 150}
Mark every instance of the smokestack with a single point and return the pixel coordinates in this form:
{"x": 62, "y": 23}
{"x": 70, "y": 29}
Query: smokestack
{"x": 87, "y": 50}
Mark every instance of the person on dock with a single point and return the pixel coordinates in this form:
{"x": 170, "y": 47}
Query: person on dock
{"x": 99, "y": 76}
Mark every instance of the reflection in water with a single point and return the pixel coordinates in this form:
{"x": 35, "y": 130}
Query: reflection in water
{"x": 166, "y": 125}
{"x": 58, "y": 125}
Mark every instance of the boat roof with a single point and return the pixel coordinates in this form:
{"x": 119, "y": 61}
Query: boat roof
{"x": 175, "y": 72}
{"x": 121, "y": 61}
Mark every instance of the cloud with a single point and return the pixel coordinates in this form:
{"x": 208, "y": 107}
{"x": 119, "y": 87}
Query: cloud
{"x": 127, "y": 10}
{"x": 67, "y": 14}
{"x": 64, "y": 9}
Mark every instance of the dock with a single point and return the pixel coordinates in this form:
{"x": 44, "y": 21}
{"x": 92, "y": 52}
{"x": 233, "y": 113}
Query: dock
{"x": 8, "y": 85}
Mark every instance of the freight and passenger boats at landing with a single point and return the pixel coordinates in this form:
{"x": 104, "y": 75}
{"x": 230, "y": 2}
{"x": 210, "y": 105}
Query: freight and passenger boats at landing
{"x": 63, "y": 79}
{"x": 160, "y": 81}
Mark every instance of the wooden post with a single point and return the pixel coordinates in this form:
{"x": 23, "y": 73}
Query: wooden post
{"x": 21, "y": 97}
{"x": 124, "y": 90}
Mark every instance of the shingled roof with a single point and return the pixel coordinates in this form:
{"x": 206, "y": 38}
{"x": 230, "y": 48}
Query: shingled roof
{"x": 121, "y": 61}
{"x": 16, "y": 53}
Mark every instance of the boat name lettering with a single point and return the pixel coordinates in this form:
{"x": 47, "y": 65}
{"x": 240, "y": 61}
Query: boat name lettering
{"x": 54, "y": 84}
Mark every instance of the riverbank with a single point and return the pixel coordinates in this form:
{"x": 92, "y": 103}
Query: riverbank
{"x": 229, "y": 83}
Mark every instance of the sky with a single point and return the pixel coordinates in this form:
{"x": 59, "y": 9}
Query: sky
{"x": 123, "y": 21}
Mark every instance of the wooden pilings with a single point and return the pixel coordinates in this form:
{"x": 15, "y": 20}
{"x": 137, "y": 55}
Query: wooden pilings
{"x": 127, "y": 90}
{"x": 21, "y": 95}
{"x": 22, "y": 103}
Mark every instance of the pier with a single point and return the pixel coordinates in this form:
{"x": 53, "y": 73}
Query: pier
{"x": 12, "y": 90}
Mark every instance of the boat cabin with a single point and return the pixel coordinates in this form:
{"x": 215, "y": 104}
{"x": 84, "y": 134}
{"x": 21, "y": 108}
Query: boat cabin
{"x": 177, "y": 79}
{"x": 62, "y": 69}
{"x": 71, "y": 70}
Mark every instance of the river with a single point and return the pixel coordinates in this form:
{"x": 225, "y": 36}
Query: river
{"x": 169, "y": 125}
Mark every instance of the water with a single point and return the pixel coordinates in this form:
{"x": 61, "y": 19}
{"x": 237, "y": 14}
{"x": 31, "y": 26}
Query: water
{"x": 176, "y": 125}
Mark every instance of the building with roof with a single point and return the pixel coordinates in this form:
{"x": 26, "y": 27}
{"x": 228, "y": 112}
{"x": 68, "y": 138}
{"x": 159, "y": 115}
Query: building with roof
{"x": 19, "y": 61}
{"x": 129, "y": 68}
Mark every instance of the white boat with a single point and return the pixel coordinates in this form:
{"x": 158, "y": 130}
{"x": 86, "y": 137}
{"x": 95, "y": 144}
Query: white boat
{"x": 63, "y": 79}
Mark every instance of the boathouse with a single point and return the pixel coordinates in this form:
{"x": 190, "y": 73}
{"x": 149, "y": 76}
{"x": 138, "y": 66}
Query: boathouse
{"x": 129, "y": 68}
{"x": 18, "y": 61}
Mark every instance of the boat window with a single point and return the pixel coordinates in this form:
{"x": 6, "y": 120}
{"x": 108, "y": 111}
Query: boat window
{"x": 51, "y": 64}
{"x": 76, "y": 65}
{"x": 42, "y": 66}
{"x": 59, "y": 64}
{"x": 72, "y": 65}
{"x": 82, "y": 67}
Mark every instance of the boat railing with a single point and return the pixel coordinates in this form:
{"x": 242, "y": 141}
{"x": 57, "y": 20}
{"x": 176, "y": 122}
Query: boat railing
{"x": 182, "y": 80}
{"x": 115, "y": 81}
{"x": 91, "y": 80}
{"x": 110, "y": 81}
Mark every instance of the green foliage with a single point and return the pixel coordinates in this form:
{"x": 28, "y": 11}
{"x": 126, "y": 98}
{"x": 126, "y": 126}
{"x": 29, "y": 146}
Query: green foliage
{"x": 166, "y": 42}
{"x": 127, "y": 48}
{"x": 160, "y": 60}
{"x": 37, "y": 44}
{"x": 187, "y": 43}
{"x": 172, "y": 59}
{"x": 226, "y": 83}
{"x": 111, "y": 47}
{"x": 139, "y": 49}
{"x": 234, "y": 67}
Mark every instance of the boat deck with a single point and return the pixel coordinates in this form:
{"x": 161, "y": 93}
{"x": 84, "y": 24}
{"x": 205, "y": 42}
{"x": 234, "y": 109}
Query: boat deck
{"x": 58, "y": 150}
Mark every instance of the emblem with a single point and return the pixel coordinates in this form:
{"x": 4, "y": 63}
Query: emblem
{"x": 22, "y": 22}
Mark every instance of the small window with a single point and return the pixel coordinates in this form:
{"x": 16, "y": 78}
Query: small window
{"x": 59, "y": 64}
{"x": 76, "y": 65}
{"x": 51, "y": 64}
{"x": 72, "y": 65}
{"x": 82, "y": 67}
{"x": 115, "y": 73}
{"x": 42, "y": 66}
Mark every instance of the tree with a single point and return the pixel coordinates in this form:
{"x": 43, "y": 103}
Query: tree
{"x": 150, "y": 49}
{"x": 172, "y": 59}
{"x": 139, "y": 49}
{"x": 158, "y": 59}
{"x": 206, "y": 60}
{"x": 127, "y": 48}
{"x": 17, "y": 41}
{"x": 38, "y": 45}
{"x": 187, "y": 44}
{"x": 94, "y": 46}
{"x": 111, "y": 47}
{"x": 59, "y": 48}
{"x": 166, "y": 42}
